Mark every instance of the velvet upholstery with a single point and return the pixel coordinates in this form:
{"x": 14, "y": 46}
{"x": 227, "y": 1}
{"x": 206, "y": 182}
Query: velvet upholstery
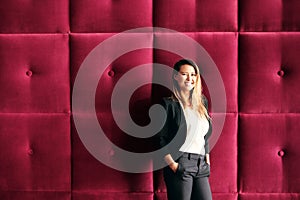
{"x": 255, "y": 44}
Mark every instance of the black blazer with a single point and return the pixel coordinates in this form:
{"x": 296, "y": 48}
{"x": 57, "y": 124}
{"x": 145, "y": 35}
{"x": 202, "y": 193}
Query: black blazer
{"x": 175, "y": 128}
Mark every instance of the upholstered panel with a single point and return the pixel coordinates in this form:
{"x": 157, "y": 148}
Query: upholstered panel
{"x": 268, "y": 154}
{"x": 255, "y": 45}
{"x": 19, "y": 16}
{"x": 110, "y": 16}
{"x": 89, "y": 174}
{"x": 193, "y": 16}
{"x": 256, "y": 15}
{"x": 35, "y": 152}
{"x": 34, "y": 73}
{"x": 269, "y": 72}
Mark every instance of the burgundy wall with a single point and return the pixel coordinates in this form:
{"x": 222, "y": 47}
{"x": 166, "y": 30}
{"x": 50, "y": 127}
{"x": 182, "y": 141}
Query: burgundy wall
{"x": 254, "y": 43}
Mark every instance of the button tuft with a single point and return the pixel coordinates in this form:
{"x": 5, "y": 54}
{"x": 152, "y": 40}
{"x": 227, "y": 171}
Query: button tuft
{"x": 280, "y": 73}
{"x": 29, "y": 73}
{"x": 111, "y": 73}
{"x": 30, "y": 152}
{"x": 67, "y": 111}
{"x": 281, "y": 153}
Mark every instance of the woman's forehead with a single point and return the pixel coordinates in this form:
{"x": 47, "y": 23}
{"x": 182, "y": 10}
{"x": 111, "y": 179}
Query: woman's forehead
{"x": 187, "y": 68}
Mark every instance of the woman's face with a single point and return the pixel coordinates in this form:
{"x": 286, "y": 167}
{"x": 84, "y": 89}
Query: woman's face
{"x": 186, "y": 78}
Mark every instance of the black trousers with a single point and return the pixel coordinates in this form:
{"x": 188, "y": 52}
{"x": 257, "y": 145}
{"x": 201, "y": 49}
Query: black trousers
{"x": 190, "y": 181}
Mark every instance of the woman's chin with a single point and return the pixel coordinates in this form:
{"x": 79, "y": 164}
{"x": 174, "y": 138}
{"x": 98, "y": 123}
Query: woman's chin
{"x": 187, "y": 88}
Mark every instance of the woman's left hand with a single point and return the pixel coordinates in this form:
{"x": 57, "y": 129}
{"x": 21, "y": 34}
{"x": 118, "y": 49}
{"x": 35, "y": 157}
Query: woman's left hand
{"x": 207, "y": 160}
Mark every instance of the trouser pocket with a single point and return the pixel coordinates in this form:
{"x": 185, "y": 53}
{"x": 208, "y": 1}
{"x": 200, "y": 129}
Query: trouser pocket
{"x": 204, "y": 168}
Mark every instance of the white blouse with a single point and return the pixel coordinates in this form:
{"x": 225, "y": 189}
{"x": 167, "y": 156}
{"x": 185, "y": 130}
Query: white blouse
{"x": 197, "y": 128}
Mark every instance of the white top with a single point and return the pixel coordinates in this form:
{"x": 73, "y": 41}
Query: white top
{"x": 197, "y": 128}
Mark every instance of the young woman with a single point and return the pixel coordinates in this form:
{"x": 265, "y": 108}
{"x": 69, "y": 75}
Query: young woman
{"x": 188, "y": 122}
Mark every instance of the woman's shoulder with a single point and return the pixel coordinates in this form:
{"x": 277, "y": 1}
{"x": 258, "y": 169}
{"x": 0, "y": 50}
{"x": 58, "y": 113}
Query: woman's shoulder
{"x": 169, "y": 100}
{"x": 204, "y": 101}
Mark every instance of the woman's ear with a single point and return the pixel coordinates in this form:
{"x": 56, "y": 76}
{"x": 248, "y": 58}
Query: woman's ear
{"x": 176, "y": 77}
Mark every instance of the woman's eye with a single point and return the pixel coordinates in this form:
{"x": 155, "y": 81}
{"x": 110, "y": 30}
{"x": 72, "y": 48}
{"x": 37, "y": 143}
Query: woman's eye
{"x": 185, "y": 74}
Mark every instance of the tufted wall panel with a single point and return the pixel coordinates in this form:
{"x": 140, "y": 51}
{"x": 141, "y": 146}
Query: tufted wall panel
{"x": 255, "y": 45}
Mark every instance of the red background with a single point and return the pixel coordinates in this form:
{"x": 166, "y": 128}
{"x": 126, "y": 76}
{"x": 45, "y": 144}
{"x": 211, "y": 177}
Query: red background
{"x": 254, "y": 43}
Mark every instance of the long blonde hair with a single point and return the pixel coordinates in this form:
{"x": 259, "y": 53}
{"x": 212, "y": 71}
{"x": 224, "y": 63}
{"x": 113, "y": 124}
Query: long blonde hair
{"x": 195, "y": 94}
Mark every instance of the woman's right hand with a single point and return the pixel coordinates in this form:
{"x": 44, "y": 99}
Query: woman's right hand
{"x": 174, "y": 166}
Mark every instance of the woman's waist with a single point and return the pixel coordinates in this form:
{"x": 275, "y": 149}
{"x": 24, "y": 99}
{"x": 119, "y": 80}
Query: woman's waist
{"x": 188, "y": 155}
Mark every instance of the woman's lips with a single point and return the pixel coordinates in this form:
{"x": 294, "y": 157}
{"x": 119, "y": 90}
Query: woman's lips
{"x": 188, "y": 84}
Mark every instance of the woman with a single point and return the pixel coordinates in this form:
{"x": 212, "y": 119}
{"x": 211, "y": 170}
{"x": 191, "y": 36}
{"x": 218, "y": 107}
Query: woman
{"x": 187, "y": 129}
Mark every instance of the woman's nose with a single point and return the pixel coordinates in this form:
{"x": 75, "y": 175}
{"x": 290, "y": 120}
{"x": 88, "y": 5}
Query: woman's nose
{"x": 188, "y": 77}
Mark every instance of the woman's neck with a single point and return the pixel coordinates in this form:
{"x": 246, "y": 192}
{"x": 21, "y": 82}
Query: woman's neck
{"x": 185, "y": 95}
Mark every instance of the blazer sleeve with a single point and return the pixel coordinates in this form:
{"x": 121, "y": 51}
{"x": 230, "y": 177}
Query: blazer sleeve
{"x": 173, "y": 127}
{"x": 209, "y": 132}
{"x": 163, "y": 134}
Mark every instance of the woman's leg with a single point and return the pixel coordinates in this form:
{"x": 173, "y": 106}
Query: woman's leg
{"x": 201, "y": 189}
{"x": 178, "y": 187}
